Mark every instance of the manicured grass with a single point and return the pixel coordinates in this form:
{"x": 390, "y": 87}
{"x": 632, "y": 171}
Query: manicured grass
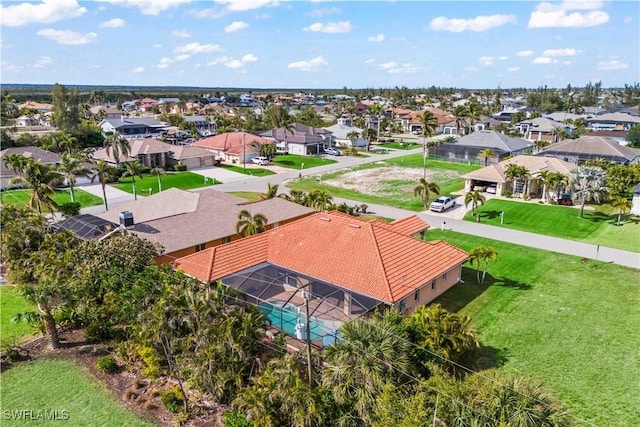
{"x": 569, "y": 323}
{"x": 598, "y": 226}
{"x": 182, "y": 180}
{"x": 59, "y": 385}
{"x": 11, "y": 303}
{"x": 407, "y": 145}
{"x": 61, "y": 196}
{"x": 250, "y": 196}
{"x": 293, "y": 161}
{"x": 396, "y": 193}
{"x": 249, "y": 170}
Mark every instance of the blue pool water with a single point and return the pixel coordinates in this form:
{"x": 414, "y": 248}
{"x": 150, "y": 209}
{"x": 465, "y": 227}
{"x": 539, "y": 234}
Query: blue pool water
{"x": 285, "y": 318}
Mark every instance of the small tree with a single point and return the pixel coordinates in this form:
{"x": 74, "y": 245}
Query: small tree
{"x": 248, "y": 225}
{"x": 622, "y": 204}
{"x": 480, "y": 257}
{"x": 133, "y": 169}
{"x": 158, "y": 172}
{"x": 588, "y": 184}
{"x": 475, "y": 198}
{"x": 485, "y": 155}
{"x": 424, "y": 190}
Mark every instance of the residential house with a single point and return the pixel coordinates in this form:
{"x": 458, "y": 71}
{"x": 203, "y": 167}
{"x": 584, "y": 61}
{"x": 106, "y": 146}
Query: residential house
{"x": 586, "y": 148}
{"x": 146, "y": 104}
{"x": 204, "y": 125}
{"x": 612, "y": 121}
{"x": 635, "y": 201}
{"x": 345, "y": 267}
{"x": 543, "y": 129}
{"x": 87, "y": 226}
{"x": 300, "y": 139}
{"x": 340, "y": 136}
{"x": 443, "y": 118}
{"x": 134, "y": 127}
{"x": 185, "y": 222}
{"x": 493, "y": 178}
{"x": 233, "y": 147}
{"x": 6, "y": 173}
{"x": 468, "y": 147}
{"x": 153, "y": 153}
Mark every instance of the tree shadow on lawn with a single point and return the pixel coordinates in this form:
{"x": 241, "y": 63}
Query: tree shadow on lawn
{"x": 485, "y": 357}
{"x": 597, "y": 216}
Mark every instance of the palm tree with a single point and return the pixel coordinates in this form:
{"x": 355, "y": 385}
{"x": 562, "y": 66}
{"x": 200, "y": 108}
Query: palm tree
{"x": 368, "y": 134}
{"x": 104, "y": 172}
{"x": 429, "y": 125}
{"x": 589, "y": 183}
{"x": 72, "y": 167}
{"x": 485, "y": 155}
{"x": 272, "y": 191}
{"x": 482, "y": 255}
{"x": 543, "y": 178}
{"x": 555, "y": 181}
{"x": 376, "y": 110}
{"x": 159, "y": 172}
{"x": 353, "y": 136}
{"x": 513, "y": 172}
{"x": 460, "y": 112}
{"x": 622, "y": 204}
{"x": 424, "y": 190}
{"x": 40, "y": 179}
{"x": 133, "y": 169}
{"x": 268, "y": 150}
{"x": 319, "y": 200}
{"x": 248, "y": 225}
{"x": 475, "y": 198}
{"x": 117, "y": 146}
{"x": 295, "y": 196}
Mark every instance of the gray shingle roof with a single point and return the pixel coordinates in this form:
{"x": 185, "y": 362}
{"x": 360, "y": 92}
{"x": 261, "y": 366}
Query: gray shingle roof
{"x": 493, "y": 140}
{"x": 592, "y": 146}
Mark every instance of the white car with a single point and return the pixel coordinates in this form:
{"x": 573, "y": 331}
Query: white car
{"x": 442, "y": 203}
{"x": 260, "y": 161}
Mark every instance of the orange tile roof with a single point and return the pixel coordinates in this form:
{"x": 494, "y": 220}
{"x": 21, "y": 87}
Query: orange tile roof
{"x": 410, "y": 225}
{"x": 230, "y": 141}
{"x": 362, "y": 256}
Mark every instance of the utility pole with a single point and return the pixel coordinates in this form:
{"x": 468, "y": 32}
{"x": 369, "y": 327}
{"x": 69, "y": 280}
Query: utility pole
{"x": 309, "y": 365}
{"x": 244, "y": 154}
{"x": 424, "y": 158}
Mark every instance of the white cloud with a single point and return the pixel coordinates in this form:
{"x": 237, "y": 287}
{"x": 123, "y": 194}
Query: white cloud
{"x": 45, "y": 12}
{"x": 113, "y": 23}
{"x": 157, "y": 45}
{"x": 314, "y": 64}
{"x": 330, "y": 27}
{"x": 544, "y": 60}
{"x": 182, "y": 57}
{"x": 394, "y": 68}
{"x": 181, "y": 34}
{"x": 503, "y": 58}
{"x": 138, "y": 70}
{"x": 235, "y": 26}
{"x": 319, "y": 13}
{"x": 486, "y": 61}
{"x": 148, "y": 7}
{"x": 564, "y": 15}
{"x": 165, "y": 62}
{"x": 612, "y": 65}
{"x": 369, "y": 61}
{"x": 513, "y": 69}
{"x": 377, "y": 38}
{"x": 471, "y": 68}
{"x": 8, "y": 67}
{"x": 234, "y": 64}
{"x": 525, "y": 53}
{"x": 67, "y": 37}
{"x": 196, "y": 47}
{"x": 42, "y": 62}
{"x": 561, "y": 52}
{"x": 249, "y": 57}
{"x": 242, "y": 5}
{"x": 479, "y": 23}
{"x": 566, "y": 62}
{"x": 627, "y": 20}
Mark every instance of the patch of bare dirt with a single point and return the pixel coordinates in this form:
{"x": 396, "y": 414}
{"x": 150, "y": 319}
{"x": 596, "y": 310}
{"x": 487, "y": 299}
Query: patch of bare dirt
{"x": 386, "y": 180}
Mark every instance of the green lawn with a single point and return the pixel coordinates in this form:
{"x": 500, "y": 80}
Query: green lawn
{"x": 59, "y": 385}
{"x": 550, "y": 316}
{"x": 11, "y": 303}
{"x": 248, "y": 170}
{"x": 398, "y": 193}
{"x": 182, "y": 180}
{"x": 597, "y": 226}
{"x": 406, "y": 145}
{"x": 251, "y": 196}
{"x": 293, "y": 161}
{"x": 61, "y": 196}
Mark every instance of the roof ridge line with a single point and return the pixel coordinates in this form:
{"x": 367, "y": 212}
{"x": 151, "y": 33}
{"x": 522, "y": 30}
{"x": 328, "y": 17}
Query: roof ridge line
{"x": 384, "y": 270}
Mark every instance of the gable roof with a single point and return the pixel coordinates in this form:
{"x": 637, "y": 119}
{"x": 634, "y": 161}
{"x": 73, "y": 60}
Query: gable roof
{"x": 46, "y": 157}
{"x": 493, "y": 140}
{"x": 341, "y": 131}
{"x": 178, "y": 219}
{"x": 231, "y": 142}
{"x": 543, "y": 124}
{"x": 534, "y": 164}
{"x": 362, "y": 256}
{"x": 592, "y": 147}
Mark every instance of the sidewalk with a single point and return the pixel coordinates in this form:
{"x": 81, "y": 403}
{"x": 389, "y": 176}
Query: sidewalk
{"x": 554, "y": 244}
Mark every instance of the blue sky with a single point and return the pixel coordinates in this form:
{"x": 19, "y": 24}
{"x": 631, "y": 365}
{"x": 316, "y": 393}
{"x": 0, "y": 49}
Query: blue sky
{"x": 320, "y": 44}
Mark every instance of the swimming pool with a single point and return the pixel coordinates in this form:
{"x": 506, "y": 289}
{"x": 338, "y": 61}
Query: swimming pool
{"x": 285, "y": 318}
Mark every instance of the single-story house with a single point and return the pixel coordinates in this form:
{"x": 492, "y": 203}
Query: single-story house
{"x": 153, "y": 153}
{"x": 344, "y": 266}
{"x": 6, "y": 173}
{"x": 300, "y": 139}
{"x": 493, "y": 178}
{"x": 185, "y": 222}
{"x": 87, "y": 226}
{"x": 543, "y": 129}
{"x": 586, "y": 148}
{"x": 233, "y": 147}
{"x": 635, "y": 201}
{"x": 612, "y": 121}
{"x": 134, "y": 127}
{"x": 339, "y": 136}
{"x": 468, "y": 147}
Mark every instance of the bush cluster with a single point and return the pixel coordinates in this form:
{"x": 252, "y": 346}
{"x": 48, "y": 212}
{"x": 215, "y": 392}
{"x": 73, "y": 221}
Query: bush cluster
{"x": 172, "y": 399}
{"x": 107, "y": 364}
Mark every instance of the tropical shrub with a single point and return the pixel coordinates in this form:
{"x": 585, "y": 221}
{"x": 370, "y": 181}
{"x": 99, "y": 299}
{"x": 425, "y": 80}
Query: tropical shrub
{"x": 107, "y": 364}
{"x": 172, "y": 399}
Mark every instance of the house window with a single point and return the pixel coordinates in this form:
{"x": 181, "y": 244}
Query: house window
{"x": 200, "y": 247}
{"x": 433, "y": 285}
{"x": 444, "y": 277}
{"x": 226, "y": 239}
{"x": 416, "y": 296}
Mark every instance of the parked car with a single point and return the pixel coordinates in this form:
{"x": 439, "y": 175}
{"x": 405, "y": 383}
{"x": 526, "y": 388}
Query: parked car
{"x": 442, "y": 203}
{"x": 332, "y": 151}
{"x": 491, "y": 190}
{"x": 416, "y": 132}
{"x": 260, "y": 161}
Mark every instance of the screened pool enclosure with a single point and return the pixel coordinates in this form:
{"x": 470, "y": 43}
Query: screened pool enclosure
{"x": 280, "y": 294}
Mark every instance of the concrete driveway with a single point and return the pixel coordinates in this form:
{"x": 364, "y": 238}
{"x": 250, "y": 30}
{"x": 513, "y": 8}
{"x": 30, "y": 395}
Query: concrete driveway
{"x": 223, "y": 175}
